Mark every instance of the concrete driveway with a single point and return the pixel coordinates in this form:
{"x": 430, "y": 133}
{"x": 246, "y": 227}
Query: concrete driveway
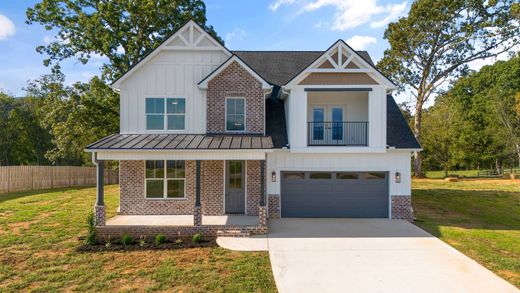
{"x": 370, "y": 255}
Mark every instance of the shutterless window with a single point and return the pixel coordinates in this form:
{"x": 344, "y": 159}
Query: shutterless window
{"x": 165, "y": 113}
{"x": 165, "y": 179}
{"x": 235, "y": 114}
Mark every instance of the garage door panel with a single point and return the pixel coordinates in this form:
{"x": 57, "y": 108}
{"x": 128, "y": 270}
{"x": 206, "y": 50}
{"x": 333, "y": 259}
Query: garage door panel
{"x": 356, "y": 196}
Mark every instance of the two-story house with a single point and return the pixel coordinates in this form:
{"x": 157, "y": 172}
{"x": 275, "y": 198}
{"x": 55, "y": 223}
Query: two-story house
{"x": 218, "y": 141}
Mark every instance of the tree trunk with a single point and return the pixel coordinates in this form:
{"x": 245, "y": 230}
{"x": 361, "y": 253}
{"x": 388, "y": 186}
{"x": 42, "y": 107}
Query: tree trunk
{"x": 417, "y": 134}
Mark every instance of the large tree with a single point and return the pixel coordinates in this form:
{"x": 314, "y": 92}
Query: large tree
{"x": 121, "y": 30}
{"x": 437, "y": 40}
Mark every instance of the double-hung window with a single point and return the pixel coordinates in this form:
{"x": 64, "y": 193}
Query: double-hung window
{"x": 165, "y": 113}
{"x": 235, "y": 114}
{"x": 165, "y": 179}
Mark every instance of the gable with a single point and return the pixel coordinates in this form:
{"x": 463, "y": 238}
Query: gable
{"x": 340, "y": 64}
{"x": 235, "y": 62}
{"x": 339, "y": 78}
{"x": 189, "y": 38}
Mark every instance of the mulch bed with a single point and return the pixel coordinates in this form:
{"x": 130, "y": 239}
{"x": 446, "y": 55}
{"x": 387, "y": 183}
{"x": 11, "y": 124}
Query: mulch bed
{"x": 186, "y": 243}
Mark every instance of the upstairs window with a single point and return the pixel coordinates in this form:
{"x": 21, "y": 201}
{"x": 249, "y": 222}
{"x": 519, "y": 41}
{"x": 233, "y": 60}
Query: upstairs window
{"x": 165, "y": 113}
{"x": 235, "y": 114}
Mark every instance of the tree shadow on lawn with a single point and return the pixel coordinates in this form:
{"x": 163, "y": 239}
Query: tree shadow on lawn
{"x": 468, "y": 209}
{"x": 19, "y": 194}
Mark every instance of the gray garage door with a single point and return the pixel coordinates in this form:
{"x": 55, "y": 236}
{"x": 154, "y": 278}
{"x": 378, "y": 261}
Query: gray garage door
{"x": 335, "y": 194}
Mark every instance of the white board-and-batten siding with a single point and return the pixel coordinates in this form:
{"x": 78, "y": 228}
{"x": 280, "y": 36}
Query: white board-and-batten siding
{"x": 168, "y": 74}
{"x": 393, "y": 161}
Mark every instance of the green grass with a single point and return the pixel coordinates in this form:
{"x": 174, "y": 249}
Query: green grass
{"x": 465, "y": 173}
{"x": 480, "y": 218}
{"x": 38, "y": 253}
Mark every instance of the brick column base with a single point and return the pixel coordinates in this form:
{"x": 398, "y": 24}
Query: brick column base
{"x": 402, "y": 207}
{"x": 273, "y": 204}
{"x": 99, "y": 215}
{"x": 262, "y": 216}
{"x": 197, "y": 216}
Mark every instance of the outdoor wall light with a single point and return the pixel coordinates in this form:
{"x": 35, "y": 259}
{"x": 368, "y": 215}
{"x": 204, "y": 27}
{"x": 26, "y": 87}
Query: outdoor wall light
{"x": 273, "y": 176}
{"x": 397, "y": 177}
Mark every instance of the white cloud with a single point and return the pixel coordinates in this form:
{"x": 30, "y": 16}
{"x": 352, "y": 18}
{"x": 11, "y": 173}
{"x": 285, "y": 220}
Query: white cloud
{"x": 276, "y": 4}
{"x": 349, "y": 13}
{"x": 47, "y": 40}
{"x": 236, "y": 34}
{"x": 394, "y": 12}
{"x": 361, "y": 42}
{"x": 6, "y": 27}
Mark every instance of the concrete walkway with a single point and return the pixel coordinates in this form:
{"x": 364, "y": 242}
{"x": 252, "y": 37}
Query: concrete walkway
{"x": 370, "y": 255}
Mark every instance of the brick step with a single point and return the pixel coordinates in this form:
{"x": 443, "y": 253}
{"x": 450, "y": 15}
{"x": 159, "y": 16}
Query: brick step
{"x": 232, "y": 233}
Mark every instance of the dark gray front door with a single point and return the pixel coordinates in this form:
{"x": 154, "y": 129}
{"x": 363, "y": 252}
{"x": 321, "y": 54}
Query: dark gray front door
{"x": 235, "y": 191}
{"x": 335, "y": 194}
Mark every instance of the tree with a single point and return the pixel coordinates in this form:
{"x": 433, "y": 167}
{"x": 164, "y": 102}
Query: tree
{"x": 440, "y": 141}
{"x": 124, "y": 31}
{"x": 437, "y": 40}
{"x": 75, "y": 115}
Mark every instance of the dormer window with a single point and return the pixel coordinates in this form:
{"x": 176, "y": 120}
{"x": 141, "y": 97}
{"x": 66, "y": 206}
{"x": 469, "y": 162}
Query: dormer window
{"x": 165, "y": 114}
{"x": 235, "y": 114}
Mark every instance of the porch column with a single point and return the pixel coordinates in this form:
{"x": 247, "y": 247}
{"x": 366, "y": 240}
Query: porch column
{"x": 99, "y": 208}
{"x": 262, "y": 209}
{"x": 197, "y": 212}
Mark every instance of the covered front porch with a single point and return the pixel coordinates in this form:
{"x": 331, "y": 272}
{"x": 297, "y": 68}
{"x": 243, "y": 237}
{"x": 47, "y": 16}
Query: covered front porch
{"x": 182, "y": 220}
{"x": 180, "y": 192}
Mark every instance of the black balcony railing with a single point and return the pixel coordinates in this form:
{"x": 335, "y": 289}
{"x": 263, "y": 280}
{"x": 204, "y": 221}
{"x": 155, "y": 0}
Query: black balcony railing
{"x": 337, "y": 133}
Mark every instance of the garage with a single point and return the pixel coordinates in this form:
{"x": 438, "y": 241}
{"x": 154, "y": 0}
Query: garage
{"x": 334, "y": 194}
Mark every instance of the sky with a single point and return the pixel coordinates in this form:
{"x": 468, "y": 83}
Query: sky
{"x": 243, "y": 24}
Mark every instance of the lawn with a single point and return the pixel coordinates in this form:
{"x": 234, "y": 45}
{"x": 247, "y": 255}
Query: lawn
{"x": 480, "y": 218}
{"x": 39, "y": 252}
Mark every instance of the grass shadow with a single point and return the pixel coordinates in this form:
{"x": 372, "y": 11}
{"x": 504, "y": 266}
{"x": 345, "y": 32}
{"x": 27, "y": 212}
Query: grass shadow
{"x": 19, "y": 194}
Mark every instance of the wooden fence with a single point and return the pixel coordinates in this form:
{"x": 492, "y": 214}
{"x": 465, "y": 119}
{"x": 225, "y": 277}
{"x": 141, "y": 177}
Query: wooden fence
{"x": 22, "y": 178}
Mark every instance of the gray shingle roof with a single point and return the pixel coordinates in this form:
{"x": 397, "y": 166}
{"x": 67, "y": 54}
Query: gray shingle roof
{"x": 398, "y": 133}
{"x": 181, "y": 142}
{"x": 279, "y": 67}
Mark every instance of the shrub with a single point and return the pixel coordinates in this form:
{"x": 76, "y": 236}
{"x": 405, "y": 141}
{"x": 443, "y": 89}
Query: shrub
{"x": 91, "y": 234}
{"x": 160, "y": 239}
{"x": 108, "y": 243}
{"x": 197, "y": 238}
{"x": 142, "y": 241}
{"x": 126, "y": 239}
{"x": 178, "y": 241}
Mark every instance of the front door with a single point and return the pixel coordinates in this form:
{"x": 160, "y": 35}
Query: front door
{"x": 327, "y": 127}
{"x": 235, "y": 188}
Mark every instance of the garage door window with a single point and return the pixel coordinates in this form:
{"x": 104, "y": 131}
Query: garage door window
{"x": 347, "y": 176}
{"x": 375, "y": 176}
{"x": 294, "y": 175}
{"x": 320, "y": 175}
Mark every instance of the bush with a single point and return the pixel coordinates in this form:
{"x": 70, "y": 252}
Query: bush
{"x": 91, "y": 234}
{"x": 160, "y": 239}
{"x": 178, "y": 241}
{"x": 108, "y": 243}
{"x": 127, "y": 239}
{"x": 142, "y": 241}
{"x": 197, "y": 238}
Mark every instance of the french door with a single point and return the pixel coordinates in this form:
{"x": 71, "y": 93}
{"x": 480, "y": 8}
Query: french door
{"x": 327, "y": 125}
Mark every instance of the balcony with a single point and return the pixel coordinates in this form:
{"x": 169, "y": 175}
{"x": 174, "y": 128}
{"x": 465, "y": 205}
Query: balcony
{"x": 337, "y": 133}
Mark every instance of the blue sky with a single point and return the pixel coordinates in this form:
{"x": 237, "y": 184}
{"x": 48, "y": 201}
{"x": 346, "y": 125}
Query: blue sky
{"x": 244, "y": 25}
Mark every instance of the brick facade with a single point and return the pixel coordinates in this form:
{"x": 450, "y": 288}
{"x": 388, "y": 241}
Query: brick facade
{"x": 273, "y": 206}
{"x": 132, "y": 190}
{"x": 253, "y": 187}
{"x": 99, "y": 215}
{"x": 132, "y": 196}
{"x": 212, "y": 187}
{"x": 235, "y": 81}
{"x": 402, "y": 207}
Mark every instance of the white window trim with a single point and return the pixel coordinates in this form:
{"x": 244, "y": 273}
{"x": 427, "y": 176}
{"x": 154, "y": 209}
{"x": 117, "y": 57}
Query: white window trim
{"x": 245, "y": 114}
{"x": 165, "y": 118}
{"x": 165, "y": 186}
